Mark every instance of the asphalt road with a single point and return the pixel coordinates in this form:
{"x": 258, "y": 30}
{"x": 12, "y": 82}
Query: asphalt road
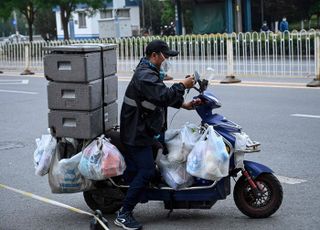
{"x": 290, "y": 146}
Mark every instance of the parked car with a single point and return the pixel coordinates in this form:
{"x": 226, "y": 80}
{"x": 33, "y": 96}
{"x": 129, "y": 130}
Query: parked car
{"x": 15, "y": 38}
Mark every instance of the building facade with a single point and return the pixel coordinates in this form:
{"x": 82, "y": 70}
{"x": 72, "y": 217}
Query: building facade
{"x": 120, "y": 18}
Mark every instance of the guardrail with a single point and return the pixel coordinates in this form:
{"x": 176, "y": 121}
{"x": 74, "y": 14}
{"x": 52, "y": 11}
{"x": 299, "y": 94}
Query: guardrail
{"x": 254, "y": 54}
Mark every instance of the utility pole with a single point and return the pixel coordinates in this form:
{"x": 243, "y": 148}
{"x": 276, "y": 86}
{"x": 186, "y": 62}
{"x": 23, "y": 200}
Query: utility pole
{"x": 150, "y": 21}
{"x": 239, "y": 15}
{"x": 15, "y": 22}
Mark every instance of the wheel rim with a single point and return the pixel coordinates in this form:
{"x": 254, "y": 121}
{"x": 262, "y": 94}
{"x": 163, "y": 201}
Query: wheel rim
{"x": 261, "y": 199}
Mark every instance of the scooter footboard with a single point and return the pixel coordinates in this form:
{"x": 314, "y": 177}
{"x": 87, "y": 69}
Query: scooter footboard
{"x": 255, "y": 169}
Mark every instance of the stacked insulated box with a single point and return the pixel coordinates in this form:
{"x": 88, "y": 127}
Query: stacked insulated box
{"x": 82, "y": 89}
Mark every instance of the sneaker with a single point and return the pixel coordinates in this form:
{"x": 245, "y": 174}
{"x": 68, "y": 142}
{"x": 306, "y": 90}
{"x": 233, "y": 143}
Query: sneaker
{"x": 127, "y": 221}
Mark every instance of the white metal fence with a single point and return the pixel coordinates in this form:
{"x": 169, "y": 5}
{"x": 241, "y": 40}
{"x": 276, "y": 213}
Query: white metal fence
{"x": 254, "y": 54}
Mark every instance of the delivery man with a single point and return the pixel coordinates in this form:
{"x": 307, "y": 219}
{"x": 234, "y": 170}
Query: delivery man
{"x": 143, "y": 118}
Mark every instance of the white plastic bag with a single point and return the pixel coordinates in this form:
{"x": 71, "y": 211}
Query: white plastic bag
{"x": 209, "y": 158}
{"x": 174, "y": 174}
{"x": 65, "y": 177}
{"x": 180, "y": 145}
{"x": 101, "y": 160}
{"x": 42, "y": 156}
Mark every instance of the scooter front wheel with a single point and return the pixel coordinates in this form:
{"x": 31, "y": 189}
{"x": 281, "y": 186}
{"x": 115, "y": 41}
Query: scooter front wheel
{"x": 262, "y": 204}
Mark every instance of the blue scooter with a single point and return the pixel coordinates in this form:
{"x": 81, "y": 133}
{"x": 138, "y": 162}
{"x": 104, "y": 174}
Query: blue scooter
{"x": 257, "y": 192}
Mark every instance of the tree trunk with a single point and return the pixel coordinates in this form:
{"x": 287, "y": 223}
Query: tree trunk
{"x": 30, "y": 30}
{"x": 64, "y": 21}
{"x": 318, "y": 20}
{"x": 29, "y": 13}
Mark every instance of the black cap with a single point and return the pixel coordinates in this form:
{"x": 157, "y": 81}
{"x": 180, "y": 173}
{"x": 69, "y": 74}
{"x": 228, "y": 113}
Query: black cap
{"x": 158, "y": 46}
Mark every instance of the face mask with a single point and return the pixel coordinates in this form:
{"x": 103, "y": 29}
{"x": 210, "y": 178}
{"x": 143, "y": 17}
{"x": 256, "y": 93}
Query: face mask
{"x": 164, "y": 68}
{"x": 165, "y": 65}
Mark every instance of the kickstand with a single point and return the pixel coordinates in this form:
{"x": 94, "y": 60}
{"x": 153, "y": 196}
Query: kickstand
{"x": 169, "y": 213}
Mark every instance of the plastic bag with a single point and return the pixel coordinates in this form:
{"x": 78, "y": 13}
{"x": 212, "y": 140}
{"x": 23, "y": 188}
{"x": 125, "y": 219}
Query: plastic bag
{"x": 174, "y": 174}
{"x": 101, "y": 160}
{"x": 46, "y": 146}
{"x": 180, "y": 145}
{"x": 65, "y": 177}
{"x": 209, "y": 158}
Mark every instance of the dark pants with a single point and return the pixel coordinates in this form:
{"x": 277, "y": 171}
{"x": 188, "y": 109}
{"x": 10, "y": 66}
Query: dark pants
{"x": 139, "y": 172}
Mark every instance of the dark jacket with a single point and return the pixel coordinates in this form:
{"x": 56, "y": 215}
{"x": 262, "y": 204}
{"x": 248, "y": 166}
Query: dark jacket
{"x": 284, "y": 26}
{"x": 145, "y": 105}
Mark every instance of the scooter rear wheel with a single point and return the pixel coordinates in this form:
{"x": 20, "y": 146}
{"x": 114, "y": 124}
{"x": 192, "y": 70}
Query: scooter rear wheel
{"x": 107, "y": 200}
{"x": 263, "y": 205}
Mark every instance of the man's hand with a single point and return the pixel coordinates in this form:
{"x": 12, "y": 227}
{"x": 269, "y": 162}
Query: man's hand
{"x": 191, "y": 104}
{"x": 188, "y": 82}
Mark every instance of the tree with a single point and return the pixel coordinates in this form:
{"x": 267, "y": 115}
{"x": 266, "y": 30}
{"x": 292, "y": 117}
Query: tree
{"x": 45, "y": 24}
{"x": 315, "y": 9}
{"x": 68, "y": 6}
{"x": 28, "y": 8}
{"x": 168, "y": 14}
{"x": 274, "y": 10}
{"x": 7, "y": 27}
{"x": 150, "y": 15}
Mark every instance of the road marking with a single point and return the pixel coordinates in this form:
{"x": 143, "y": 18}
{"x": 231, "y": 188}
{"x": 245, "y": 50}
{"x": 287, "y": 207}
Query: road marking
{"x": 305, "y": 115}
{"x": 14, "y": 82}
{"x": 289, "y": 180}
{"x": 53, "y": 202}
{"x": 14, "y": 91}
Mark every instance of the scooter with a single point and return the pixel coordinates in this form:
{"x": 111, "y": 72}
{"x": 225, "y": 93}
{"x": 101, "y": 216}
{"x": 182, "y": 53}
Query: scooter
{"x": 257, "y": 192}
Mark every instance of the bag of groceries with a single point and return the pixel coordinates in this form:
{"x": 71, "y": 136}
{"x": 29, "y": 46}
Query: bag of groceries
{"x": 101, "y": 160}
{"x": 209, "y": 158}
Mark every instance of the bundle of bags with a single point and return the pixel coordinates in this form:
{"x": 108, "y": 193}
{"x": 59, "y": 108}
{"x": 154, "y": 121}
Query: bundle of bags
{"x": 193, "y": 155}
{"x": 97, "y": 161}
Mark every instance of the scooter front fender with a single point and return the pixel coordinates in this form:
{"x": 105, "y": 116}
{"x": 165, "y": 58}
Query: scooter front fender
{"x": 255, "y": 169}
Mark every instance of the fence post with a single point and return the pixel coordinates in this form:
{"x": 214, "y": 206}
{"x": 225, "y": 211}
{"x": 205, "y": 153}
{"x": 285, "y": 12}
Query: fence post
{"x": 230, "y": 78}
{"x": 27, "y": 71}
{"x": 1, "y": 55}
{"x": 316, "y": 81}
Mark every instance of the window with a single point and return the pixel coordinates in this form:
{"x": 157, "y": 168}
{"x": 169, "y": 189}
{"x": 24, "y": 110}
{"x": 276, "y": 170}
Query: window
{"x": 106, "y": 14}
{"x": 82, "y": 20}
{"x": 123, "y": 13}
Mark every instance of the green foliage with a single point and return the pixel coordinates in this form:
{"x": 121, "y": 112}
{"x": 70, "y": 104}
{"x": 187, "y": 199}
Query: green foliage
{"x": 274, "y": 10}
{"x": 7, "y": 28}
{"x": 27, "y": 8}
{"x": 168, "y": 13}
{"x": 45, "y": 24}
{"x": 315, "y": 7}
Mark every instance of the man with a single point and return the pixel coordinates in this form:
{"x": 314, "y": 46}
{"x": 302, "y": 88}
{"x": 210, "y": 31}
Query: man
{"x": 143, "y": 118}
{"x": 284, "y": 25}
{"x": 264, "y": 27}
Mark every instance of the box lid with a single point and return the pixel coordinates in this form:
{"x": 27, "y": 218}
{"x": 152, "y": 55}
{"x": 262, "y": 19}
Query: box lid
{"x": 80, "y": 48}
